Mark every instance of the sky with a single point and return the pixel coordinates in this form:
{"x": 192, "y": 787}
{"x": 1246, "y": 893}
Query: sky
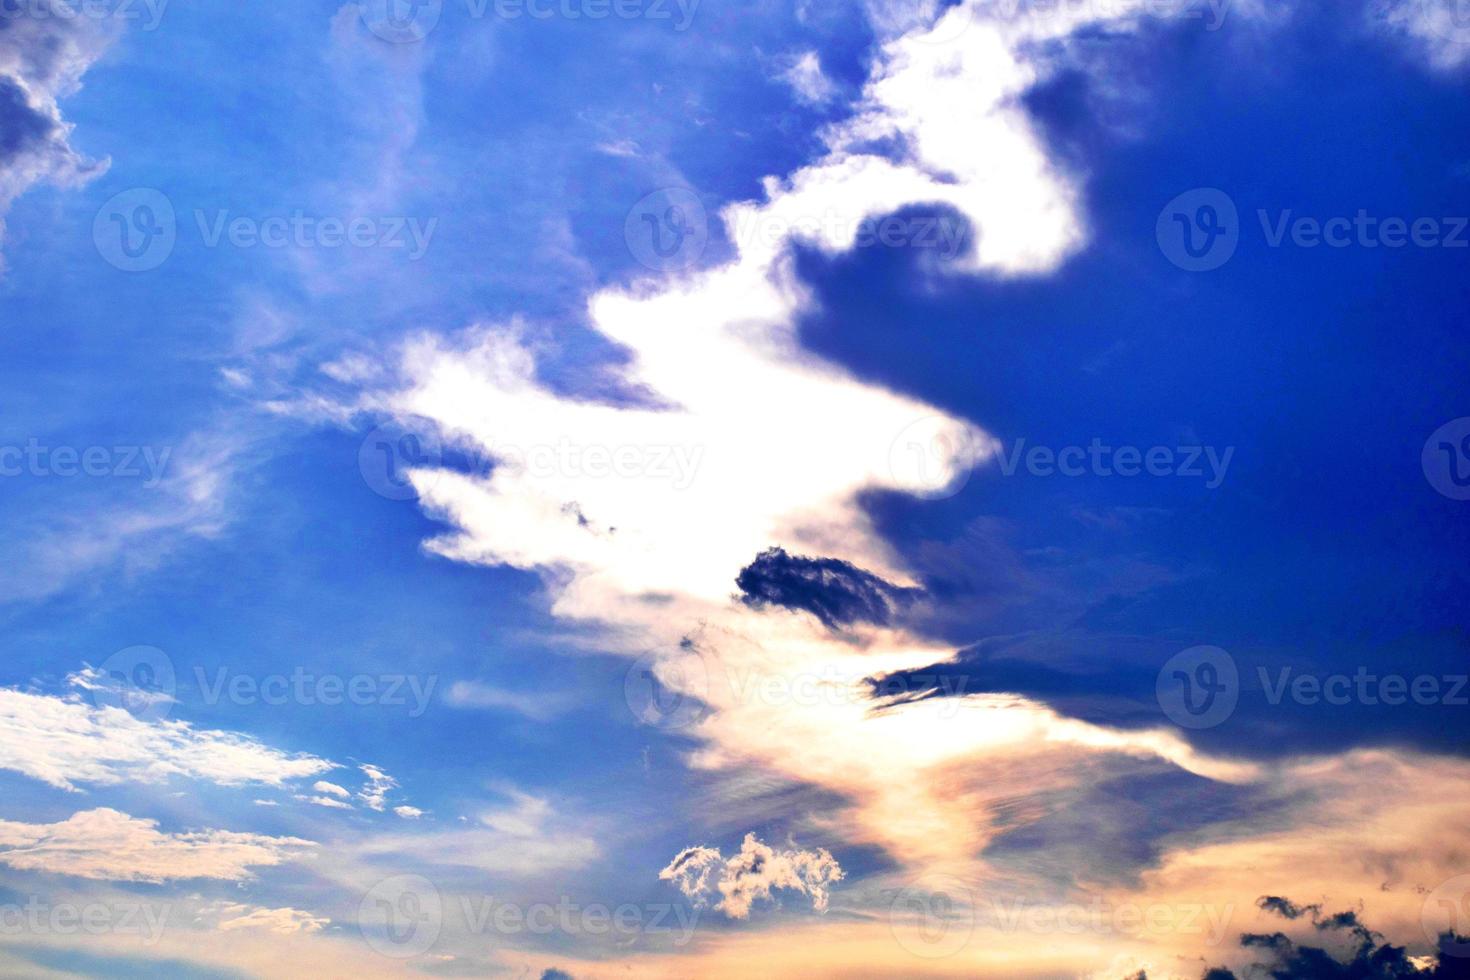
{"x": 685, "y": 488}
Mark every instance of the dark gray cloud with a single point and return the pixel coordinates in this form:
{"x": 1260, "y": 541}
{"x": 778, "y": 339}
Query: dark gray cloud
{"x": 836, "y": 592}
{"x": 1369, "y": 958}
{"x": 42, "y": 60}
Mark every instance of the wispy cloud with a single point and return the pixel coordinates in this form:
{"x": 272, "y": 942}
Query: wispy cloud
{"x": 111, "y": 845}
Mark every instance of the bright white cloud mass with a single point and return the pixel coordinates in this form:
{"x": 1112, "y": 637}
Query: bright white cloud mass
{"x": 682, "y": 622}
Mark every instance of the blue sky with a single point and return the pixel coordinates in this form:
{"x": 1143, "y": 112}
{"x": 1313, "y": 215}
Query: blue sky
{"x": 397, "y": 429}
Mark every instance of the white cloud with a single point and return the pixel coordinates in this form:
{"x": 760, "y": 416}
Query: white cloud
{"x": 43, "y": 59}
{"x": 537, "y": 706}
{"x": 331, "y": 789}
{"x": 753, "y": 874}
{"x": 283, "y": 921}
{"x": 183, "y": 495}
{"x": 375, "y": 794}
{"x": 527, "y": 837}
{"x": 408, "y": 812}
{"x": 805, "y": 77}
{"x": 110, "y": 845}
{"x": 786, "y": 445}
{"x": 1431, "y": 26}
{"x": 66, "y": 741}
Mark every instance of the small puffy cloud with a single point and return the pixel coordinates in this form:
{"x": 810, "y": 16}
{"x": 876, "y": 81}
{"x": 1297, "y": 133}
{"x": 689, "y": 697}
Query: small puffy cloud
{"x": 107, "y": 844}
{"x": 374, "y": 795}
{"x": 752, "y": 874}
{"x": 231, "y": 917}
{"x": 63, "y": 741}
{"x": 330, "y": 789}
{"x": 408, "y": 812}
{"x": 329, "y": 802}
{"x": 805, "y": 77}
